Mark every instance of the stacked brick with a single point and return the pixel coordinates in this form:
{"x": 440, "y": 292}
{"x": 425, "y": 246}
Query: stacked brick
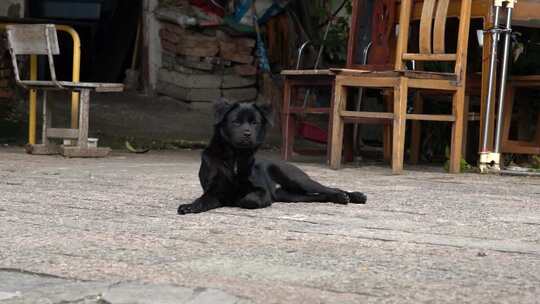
{"x": 202, "y": 66}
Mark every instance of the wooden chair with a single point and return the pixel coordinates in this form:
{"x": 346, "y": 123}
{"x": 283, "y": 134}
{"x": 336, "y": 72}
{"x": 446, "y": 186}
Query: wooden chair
{"x": 291, "y": 112}
{"x": 519, "y": 146}
{"x": 41, "y": 39}
{"x": 432, "y": 24}
{"x": 366, "y": 33}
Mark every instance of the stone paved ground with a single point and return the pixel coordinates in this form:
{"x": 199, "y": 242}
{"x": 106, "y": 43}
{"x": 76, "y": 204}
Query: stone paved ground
{"x": 105, "y": 231}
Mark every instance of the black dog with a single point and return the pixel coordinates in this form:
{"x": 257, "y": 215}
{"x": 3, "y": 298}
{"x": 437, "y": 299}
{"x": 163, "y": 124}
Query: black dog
{"x": 231, "y": 176}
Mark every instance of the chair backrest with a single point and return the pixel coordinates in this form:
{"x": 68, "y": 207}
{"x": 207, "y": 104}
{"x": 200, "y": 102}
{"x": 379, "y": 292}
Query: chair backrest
{"x": 371, "y": 35}
{"x": 432, "y": 34}
{"x": 33, "y": 39}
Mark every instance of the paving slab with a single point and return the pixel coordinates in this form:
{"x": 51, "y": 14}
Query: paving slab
{"x": 93, "y": 229}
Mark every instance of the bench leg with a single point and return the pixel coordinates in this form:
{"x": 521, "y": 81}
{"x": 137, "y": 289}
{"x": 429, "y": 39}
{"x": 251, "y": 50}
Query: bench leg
{"x": 47, "y": 120}
{"x": 84, "y": 108}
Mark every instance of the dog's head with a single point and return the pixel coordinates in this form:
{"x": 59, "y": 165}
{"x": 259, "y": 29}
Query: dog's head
{"x": 243, "y": 125}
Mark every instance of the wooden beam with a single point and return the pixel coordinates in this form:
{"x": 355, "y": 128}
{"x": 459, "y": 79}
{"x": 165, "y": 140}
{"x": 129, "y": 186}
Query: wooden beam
{"x": 430, "y": 117}
{"x": 62, "y": 133}
{"x": 358, "y": 114}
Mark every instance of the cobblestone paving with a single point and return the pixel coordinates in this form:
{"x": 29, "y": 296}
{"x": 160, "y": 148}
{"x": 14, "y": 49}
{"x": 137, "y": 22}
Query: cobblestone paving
{"x": 106, "y": 231}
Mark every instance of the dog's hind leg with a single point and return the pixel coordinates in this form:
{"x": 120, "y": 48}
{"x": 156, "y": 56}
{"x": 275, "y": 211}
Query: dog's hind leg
{"x": 295, "y": 182}
{"x": 285, "y": 196}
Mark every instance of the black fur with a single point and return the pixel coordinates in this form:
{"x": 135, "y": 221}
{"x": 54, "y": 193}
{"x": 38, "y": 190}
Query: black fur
{"x": 231, "y": 176}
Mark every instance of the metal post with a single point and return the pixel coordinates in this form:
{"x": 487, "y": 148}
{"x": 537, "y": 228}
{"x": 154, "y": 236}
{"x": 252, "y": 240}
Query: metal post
{"x": 490, "y": 161}
{"x": 504, "y": 72}
{"x": 491, "y": 79}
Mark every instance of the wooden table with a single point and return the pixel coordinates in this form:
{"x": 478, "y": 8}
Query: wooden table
{"x": 526, "y": 13}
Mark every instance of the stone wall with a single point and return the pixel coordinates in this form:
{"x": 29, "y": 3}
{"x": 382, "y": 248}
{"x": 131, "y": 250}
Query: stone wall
{"x": 201, "y": 65}
{"x": 6, "y": 77}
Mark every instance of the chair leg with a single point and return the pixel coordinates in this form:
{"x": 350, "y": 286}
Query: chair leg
{"x": 416, "y": 129}
{"x": 457, "y": 131}
{"x": 537, "y": 131}
{"x": 466, "y": 105}
{"x": 348, "y": 149}
{"x": 84, "y": 109}
{"x": 398, "y": 136}
{"x": 387, "y": 129}
{"x": 288, "y": 123}
{"x": 288, "y": 133}
{"x": 337, "y": 125}
{"x": 47, "y": 120}
{"x": 507, "y": 118}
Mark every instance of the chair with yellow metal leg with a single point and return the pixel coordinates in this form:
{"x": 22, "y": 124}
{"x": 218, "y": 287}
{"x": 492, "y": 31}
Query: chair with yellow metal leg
{"x": 41, "y": 39}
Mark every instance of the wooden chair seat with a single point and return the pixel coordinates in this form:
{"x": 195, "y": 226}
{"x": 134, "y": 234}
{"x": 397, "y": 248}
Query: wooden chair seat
{"x": 405, "y": 73}
{"x": 307, "y": 72}
{"x": 74, "y": 86}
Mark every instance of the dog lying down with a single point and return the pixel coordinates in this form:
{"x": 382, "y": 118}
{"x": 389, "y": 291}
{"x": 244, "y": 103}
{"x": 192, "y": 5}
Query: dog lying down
{"x": 231, "y": 176}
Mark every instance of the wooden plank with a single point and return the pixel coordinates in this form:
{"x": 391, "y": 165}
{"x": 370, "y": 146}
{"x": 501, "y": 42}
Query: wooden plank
{"x": 426, "y": 23}
{"x": 508, "y": 109}
{"x": 62, "y": 133}
{"x": 363, "y": 114}
{"x": 460, "y": 68}
{"x": 440, "y": 26}
{"x": 373, "y": 82}
{"x": 307, "y": 72}
{"x": 430, "y": 75}
{"x": 443, "y": 85}
{"x": 418, "y": 107}
{"x": 49, "y": 149}
{"x": 457, "y": 131}
{"x": 309, "y": 110}
{"x": 429, "y": 57}
{"x": 288, "y": 123}
{"x": 466, "y": 116}
{"x": 387, "y": 129}
{"x": 83, "y": 119}
{"x": 79, "y": 152}
{"x": 519, "y": 147}
{"x": 369, "y": 121}
{"x": 398, "y": 135}
{"x": 310, "y": 81}
{"x": 32, "y": 39}
{"x": 431, "y": 117}
{"x": 336, "y": 135}
{"x": 403, "y": 36}
{"x": 47, "y": 119}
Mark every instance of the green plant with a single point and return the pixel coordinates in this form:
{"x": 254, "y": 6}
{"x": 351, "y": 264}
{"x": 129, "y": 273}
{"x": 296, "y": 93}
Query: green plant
{"x": 463, "y": 165}
{"x": 335, "y": 45}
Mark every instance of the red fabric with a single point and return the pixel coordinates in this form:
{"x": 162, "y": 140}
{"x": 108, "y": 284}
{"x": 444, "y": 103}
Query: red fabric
{"x": 215, "y": 7}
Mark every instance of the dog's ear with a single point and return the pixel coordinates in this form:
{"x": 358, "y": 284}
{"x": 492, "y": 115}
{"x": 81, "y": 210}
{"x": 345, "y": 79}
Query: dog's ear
{"x": 267, "y": 112}
{"x": 221, "y": 107}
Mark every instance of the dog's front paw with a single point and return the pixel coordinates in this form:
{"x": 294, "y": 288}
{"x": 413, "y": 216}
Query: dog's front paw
{"x": 253, "y": 201}
{"x": 357, "y": 197}
{"x": 190, "y": 208}
{"x": 340, "y": 198}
